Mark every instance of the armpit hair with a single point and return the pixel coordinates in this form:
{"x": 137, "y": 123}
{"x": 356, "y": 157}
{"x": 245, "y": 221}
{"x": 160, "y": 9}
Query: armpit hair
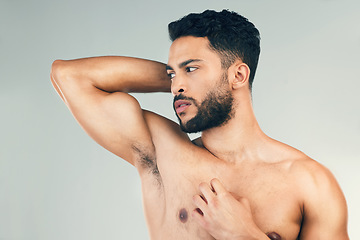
{"x": 147, "y": 161}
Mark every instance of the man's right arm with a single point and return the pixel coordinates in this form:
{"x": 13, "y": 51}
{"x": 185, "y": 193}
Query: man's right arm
{"x": 95, "y": 90}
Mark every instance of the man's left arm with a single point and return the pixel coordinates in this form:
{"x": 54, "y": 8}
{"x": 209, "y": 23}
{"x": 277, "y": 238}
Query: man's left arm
{"x": 325, "y": 209}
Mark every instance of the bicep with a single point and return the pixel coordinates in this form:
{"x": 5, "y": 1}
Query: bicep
{"x": 114, "y": 120}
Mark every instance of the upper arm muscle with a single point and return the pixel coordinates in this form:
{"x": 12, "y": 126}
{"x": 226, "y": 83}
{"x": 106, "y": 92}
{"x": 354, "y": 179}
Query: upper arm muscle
{"x": 114, "y": 120}
{"x": 325, "y": 208}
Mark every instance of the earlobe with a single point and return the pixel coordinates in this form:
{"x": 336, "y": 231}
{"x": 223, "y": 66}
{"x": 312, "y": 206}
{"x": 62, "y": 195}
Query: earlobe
{"x": 241, "y": 75}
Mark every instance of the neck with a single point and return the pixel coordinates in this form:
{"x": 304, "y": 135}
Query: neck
{"x": 239, "y": 139}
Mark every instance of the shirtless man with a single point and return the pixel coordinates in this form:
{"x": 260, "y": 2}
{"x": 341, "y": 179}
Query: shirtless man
{"x": 233, "y": 182}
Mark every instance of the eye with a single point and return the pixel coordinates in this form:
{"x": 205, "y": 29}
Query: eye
{"x": 171, "y": 75}
{"x": 190, "y": 69}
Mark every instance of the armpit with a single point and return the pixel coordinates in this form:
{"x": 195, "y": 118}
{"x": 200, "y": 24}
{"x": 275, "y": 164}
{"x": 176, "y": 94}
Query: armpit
{"x": 147, "y": 160}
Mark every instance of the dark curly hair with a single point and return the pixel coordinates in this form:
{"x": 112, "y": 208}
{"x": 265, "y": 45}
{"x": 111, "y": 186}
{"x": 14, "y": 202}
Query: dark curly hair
{"x": 231, "y": 35}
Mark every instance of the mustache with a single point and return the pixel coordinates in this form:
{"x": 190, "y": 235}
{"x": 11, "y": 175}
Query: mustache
{"x": 182, "y": 97}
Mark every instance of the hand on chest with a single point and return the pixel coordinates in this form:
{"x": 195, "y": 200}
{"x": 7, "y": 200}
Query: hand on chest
{"x": 222, "y": 205}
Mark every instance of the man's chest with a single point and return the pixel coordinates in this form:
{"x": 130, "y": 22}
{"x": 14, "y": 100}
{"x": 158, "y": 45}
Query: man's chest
{"x": 274, "y": 203}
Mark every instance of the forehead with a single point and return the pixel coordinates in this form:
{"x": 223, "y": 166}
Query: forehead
{"x": 189, "y": 47}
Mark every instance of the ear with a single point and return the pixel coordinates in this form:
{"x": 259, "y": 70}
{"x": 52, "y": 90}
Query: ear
{"x": 240, "y": 73}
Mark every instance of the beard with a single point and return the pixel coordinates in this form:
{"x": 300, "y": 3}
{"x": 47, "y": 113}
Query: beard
{"x": 214, "y": 111}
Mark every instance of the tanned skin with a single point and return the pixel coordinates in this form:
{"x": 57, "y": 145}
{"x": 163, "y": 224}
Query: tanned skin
{"x": 234, "y": 182}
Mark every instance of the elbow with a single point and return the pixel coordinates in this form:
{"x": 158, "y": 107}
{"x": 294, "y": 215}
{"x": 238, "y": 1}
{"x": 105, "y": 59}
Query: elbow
{"x": 56, "y": 64}
{"x": 57, "y": 76}
{"x": 61, "y": 72}
{"x": 57, "y": 70}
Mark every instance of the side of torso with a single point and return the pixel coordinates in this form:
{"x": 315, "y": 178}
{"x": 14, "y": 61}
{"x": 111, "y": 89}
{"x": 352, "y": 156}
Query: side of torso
{"x": 271, "y": 190}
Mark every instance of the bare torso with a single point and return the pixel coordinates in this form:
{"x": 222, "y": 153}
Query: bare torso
{"x": 182, "y": 166}
{"x": 278, "y": 188}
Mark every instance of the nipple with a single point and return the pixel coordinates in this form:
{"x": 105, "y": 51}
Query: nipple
{"x": 274, "y": 236}
{"x": 183, "y": 215}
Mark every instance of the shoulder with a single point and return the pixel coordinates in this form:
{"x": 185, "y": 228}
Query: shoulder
{"x": 305, "y": 171}
{"x": 313, "y": 177}
{"x": 323, "y": 203}
{"x": 163, "y": 130}
{"x": 314, "y": 180}
{"x": 309, "y": 176}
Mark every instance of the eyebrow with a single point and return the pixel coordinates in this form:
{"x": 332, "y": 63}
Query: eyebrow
{"x": 183, "y": 64}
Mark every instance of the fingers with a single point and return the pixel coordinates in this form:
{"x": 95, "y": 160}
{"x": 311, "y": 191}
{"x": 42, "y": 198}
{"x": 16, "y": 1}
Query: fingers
{"x": 217, "y": 186}
{"x": 200, "y": 203}
{"x": 201, "y": 200}
{"x": 206, "y": 191}
{"x": 201, "y": 207}
{"x": 198, "y": 216}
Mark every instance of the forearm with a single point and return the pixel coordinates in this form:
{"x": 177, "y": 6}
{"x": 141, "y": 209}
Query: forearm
{"x": 114, "y": 74}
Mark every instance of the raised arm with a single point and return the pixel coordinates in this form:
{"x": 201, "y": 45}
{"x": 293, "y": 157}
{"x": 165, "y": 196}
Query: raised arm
{"x": 95, "y": 90}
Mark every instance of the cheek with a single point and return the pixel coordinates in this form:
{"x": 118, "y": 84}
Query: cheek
{"x": 203, "y": 85}
{"x": 208, "y": 87}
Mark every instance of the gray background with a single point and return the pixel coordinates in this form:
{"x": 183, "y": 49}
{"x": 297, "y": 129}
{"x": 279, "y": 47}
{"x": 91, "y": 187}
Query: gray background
{"x": 56, "y": 183}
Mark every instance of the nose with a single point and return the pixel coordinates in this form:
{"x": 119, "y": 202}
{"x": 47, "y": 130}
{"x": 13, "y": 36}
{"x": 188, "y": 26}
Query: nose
{"x": 178, "y": 86}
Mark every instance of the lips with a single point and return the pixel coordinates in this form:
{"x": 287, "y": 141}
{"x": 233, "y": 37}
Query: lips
{"x": 181, "y": 105}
